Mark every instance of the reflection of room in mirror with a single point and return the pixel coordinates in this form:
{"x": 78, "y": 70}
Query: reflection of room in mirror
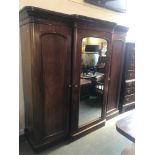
{"x": 93, "y": 60}
{"x": 93, "y": 55}
{"x": 103, "y": 48}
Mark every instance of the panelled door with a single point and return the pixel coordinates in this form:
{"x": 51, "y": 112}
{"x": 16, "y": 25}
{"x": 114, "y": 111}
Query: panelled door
{"x": 52, "y": 76}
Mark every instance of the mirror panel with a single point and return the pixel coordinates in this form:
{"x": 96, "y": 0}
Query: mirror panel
{"x": 93, "y": 61}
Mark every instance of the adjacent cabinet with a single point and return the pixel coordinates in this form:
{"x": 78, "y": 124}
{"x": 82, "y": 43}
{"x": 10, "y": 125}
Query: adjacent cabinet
{"x": 127, "y": 97}
{"x": 72, "y": 71}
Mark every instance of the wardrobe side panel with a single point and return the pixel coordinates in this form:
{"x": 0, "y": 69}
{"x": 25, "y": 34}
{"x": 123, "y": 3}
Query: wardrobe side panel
{"x": 25, "y": 37}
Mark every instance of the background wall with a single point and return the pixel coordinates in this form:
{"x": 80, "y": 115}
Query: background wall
{"x": 77, "y": 7}
{"x": 69, "y": 7}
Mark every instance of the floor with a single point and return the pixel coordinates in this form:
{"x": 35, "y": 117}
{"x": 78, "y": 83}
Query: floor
{"x": 104, "y": 141}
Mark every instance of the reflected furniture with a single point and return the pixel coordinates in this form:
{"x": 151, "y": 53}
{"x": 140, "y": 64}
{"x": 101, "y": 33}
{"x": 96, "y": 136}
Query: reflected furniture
{"x": 127, "y": 97}
{"x": 60, "y": 102}
{"x": 96, "y": 82}
{"x": 85, "y": 85}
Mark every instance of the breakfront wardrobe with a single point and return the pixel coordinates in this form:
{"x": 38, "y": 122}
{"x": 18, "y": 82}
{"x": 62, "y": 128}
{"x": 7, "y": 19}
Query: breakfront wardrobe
{"x": 72, "y": 67}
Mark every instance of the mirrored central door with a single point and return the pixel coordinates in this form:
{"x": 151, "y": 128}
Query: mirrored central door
{"x": 92, "y": 77}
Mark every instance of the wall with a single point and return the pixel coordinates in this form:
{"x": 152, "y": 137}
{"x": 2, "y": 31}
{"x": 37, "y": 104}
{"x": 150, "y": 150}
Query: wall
{"x": 69, "y": 7}
{"x": 77, "y": 7}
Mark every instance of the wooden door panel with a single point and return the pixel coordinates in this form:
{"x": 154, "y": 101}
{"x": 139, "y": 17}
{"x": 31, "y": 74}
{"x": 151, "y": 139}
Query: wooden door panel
{"x": 53, "y": 74}
{"x": 115, "y": 74}
{"x": 79, "y": 34}
{"x": 53, "y": 48}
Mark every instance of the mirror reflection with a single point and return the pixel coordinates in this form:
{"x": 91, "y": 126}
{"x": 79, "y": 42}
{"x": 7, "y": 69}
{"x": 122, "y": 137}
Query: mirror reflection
{"x": 93, "y": 61}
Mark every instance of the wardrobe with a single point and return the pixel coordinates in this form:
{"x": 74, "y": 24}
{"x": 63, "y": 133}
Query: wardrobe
{"x": 72, "y": 69}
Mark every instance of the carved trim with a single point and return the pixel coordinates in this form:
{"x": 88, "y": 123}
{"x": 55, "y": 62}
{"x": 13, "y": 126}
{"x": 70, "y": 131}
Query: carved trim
{"x": 33, "y": 14}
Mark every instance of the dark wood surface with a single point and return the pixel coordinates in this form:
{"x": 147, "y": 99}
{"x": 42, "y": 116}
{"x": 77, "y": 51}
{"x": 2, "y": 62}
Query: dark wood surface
{"x": 115, "y": 74}
{"x": 46, "y": 53}
{"x": 31, "y": 14}
{"x": 26, "y": 49}
{"x": 55, "y": 79}
{"x": 51, "y": 56}
{"x": 126, "y": 127}
{"x": 80, "y": 32}
{"x": 127, "y": 98}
